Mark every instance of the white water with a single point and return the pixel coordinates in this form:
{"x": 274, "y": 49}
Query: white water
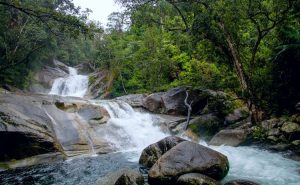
{"x": 129, "y": 130}
{"x": 259, "y": 165}
{"x": 133, "y": 131}
{"x": 73, "y": 85}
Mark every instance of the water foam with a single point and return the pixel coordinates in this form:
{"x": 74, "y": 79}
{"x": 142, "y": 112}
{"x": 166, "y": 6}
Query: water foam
{"x": 129, "y": 130}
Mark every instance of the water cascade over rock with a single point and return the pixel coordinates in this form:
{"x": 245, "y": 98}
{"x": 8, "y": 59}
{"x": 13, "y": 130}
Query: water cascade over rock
{"x": 74, "y": 126}
{"x": 73, "y": 85}
{"x": 128, "y": 129}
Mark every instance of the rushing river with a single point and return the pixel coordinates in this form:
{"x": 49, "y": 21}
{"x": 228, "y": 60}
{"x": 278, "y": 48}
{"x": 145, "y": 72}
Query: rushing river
{"x": 129, "y": 132}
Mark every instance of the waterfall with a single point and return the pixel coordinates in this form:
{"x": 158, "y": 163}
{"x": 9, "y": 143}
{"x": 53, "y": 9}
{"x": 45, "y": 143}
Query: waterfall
{"x": 73, "y": 85}
{"x": 131, "y": 131}
{"x": 127, "y": 129}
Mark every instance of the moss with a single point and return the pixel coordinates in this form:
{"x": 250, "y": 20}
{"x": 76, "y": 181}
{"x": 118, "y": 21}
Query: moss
{"x": 259, "y": 133}
{"x": 92, "y": 79}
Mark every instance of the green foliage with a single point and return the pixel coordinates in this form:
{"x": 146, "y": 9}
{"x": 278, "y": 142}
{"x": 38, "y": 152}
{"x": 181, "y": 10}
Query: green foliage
{"x": 224, "y": 45}
{"x": 33, "y": 33}
{"x": 258, "y": 133}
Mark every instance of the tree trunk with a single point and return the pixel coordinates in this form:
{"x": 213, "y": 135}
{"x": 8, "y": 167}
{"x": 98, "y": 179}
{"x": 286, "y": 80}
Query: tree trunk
{"x": 242, "y": 76}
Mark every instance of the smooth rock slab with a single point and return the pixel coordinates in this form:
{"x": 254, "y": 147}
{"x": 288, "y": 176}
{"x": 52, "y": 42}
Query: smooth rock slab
{"x": 188, "y": 157}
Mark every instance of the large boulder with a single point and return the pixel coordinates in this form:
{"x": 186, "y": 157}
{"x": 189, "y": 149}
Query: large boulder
{"x": 122, "y": 177}
{"x": 24, "y": 129}
{"x": 237, "y": 115}
{"x": 85, "y": 68}
{"x": 173, "y": 101}
{"x": 205, "y": 125}
{"x": 153, "y": 102}
{"x": 291, "y": 130}
{"x": 94, "y": 114}
{"x": 196, "y": 179}
{"x": 188, "y": 157}
{"x": 154, "y": 151}
{"x": 44, "y": 79}
{"x": 229, "y": 137}
{"x": 40, "y": 124}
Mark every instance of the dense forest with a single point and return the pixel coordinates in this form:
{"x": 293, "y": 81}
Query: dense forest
{"x": 250, "y": 48}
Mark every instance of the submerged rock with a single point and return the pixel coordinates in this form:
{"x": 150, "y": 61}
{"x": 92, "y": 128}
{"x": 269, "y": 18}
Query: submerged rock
{"x": 196, "y": 179}
{"x": 154, "y": 151}
{"x": 122, "y": 177}
{"x": 241, "y": 182}
{"x": 188, "y": 157}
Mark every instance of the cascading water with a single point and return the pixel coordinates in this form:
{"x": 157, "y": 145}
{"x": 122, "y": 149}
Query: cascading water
{"x": 259, "y": 165}
{"x": 129, "y": 132}
{"x": 127, "y": 129}
{"x": 73, "y": 85}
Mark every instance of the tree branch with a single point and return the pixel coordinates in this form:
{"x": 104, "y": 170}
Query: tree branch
{"x": 189, "y": 106}
{"x": 2, "y": 68}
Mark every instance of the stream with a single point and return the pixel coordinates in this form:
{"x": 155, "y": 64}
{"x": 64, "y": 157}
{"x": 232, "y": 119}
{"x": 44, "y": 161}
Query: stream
{"x": 129, "y": 132}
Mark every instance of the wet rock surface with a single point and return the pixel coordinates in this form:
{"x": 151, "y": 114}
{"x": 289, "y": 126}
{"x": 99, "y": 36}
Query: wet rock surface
{"x": 154, "y": 151}
{"x": 37, "y": 124}
{"x": 229, "y": 137}
{"x": 122, "y": 177}
{"x": 188, "y": 157}
{"x": 196, "y": 179}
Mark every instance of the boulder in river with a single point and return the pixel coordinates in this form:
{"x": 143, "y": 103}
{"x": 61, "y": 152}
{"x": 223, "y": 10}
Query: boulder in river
{"x": 134, "y": 100}
{"x": 173, "y": 101}
{"x": 154, "y": 151}
{"x": 40, "y": 124}
{"x": 188, "y": 157}
{"x": 229, "y": 137}
{"x": 153, "y": 102}
{"x": 196, "y": 179}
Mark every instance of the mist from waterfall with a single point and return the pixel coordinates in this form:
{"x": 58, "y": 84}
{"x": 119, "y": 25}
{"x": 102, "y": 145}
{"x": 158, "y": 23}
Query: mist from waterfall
{"x": 73, "y": 85}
